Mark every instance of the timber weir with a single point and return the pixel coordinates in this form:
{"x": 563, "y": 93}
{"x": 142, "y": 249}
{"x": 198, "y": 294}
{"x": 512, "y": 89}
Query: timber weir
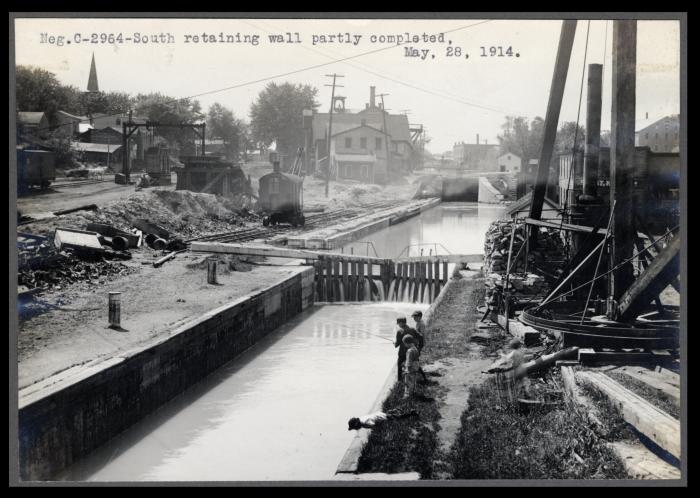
{"x": 342, "y": 279}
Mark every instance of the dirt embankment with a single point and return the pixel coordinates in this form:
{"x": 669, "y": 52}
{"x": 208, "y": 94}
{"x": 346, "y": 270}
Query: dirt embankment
{"x": 472, "y": 426}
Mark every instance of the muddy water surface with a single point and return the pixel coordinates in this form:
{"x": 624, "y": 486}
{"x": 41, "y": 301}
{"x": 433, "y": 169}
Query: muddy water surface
{"x": 279, "y": 412}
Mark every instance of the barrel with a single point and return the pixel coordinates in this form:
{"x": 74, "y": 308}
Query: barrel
{"x": 115, "y": 306}
{"x": 159, "y": 244}
{"x": 120, "y": 243}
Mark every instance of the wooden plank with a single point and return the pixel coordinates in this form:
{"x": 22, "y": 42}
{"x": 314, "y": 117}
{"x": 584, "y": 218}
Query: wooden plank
{"x": 654, "y": 381}
{"x": 448, "y": 258}
{"x": 273, "y": 251}
{"x": 592, "y": 357}
{"x": 575, "y": 397}
{"x": 654, "y": 423}
{"x": 640, "y": 463}
{"x": 661, "y": 272}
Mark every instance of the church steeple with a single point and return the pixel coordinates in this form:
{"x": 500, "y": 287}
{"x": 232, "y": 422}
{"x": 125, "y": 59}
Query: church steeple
{"x": 92, "y": 81}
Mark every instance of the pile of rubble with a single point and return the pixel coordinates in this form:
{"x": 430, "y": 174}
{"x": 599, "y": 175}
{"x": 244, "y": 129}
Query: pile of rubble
{"x": 545, "y": 257}
{"x": 41, "y": 265}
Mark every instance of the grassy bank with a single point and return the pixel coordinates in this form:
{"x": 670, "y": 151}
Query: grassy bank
{"x": 413, "y": 444}
{"x": 501, "y": 440}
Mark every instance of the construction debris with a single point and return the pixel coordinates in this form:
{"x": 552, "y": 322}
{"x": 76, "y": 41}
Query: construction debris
{"x": 88, "y": 207}
{"x": 79, "y": 240}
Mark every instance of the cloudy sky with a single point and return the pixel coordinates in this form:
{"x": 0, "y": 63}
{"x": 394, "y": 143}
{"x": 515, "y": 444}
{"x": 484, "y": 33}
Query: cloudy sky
{"x": 454, "y": 97}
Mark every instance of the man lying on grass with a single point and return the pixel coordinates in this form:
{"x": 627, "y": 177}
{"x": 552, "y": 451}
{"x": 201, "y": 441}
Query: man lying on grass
{"x": 370, "y": 421}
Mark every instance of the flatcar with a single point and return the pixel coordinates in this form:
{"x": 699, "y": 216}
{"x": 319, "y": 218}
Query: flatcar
{"x": 281, "y": 197}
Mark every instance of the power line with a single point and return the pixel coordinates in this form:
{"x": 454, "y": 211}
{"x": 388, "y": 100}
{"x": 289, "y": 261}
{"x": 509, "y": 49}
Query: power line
{"x": 280, "y": 75}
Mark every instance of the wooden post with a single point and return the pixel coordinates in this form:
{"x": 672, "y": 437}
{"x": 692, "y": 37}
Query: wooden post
{"x": 361, "y": 282}
{"x": 624, "y": 64}
{"x": 336, "y": 279}
{"x": 319, "y": 280}
{"x": 211, "y": 271}
{"x": 329, "y": 280}
{"x": 437, "y": 277}
{"x": 445, "y": 276}
{"x": 346, "y": 286}
{"x": 399, "y": 280}
{"x": 353, "y": 282}
{"x": 551, "y": 121}
{"x": 431, "y": 282}
{"x": 114, "y": 310}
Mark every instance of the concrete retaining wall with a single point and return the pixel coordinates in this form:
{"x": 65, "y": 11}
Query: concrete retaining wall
{"x": 333, "y": 238}
{"x": 68, "y": 416}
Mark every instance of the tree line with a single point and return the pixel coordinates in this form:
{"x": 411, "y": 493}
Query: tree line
{"x": 275, "y": 117}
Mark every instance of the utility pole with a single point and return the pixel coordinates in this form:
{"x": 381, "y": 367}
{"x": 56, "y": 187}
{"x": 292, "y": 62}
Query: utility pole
{"x": 387, "y": 137}
{"x": 330, "y": 127}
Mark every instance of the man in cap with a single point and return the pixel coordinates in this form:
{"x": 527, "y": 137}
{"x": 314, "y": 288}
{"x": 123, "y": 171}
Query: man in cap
{"x": 402, "y": 329}
{"x": 419, "y": 334}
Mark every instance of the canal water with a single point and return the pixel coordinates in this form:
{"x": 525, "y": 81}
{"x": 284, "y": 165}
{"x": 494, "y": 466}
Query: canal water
{"x": 278, "y": 412}
{"x": 449, "y": 228}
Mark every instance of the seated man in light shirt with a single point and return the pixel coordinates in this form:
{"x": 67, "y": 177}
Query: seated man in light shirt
{"x": 371, "y": 420}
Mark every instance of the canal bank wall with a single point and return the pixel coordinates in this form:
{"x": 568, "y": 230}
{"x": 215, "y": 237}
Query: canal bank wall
{"x": 345, "y": 233}
{"x": 350, "y": 461}
{"x": 65, "y": 417}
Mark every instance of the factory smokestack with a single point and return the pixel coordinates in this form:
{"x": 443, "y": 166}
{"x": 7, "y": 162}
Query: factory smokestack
{"x": 371, "y": 98}
{"x": 477, "y": 139}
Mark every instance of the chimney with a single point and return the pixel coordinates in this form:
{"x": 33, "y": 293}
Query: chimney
{"x": 477, "y": 139}
{"x": 276, "y": 166}
{"x": 371, "y": 97}
{"x": 486, "y": 142}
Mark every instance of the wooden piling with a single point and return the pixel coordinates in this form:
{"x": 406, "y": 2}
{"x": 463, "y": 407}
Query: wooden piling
{"x": 336, "y": 279}
{"x": 346, "y": 281}
{"x": 211, "y": 271}
{"x": 329, "y": 280}
{"x": 431, "y": 283}
{"x": 361, "y": 281}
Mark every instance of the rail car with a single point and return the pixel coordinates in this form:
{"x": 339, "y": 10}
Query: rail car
{"x": 281, "y": 198}
{"x": 35, "y": 168}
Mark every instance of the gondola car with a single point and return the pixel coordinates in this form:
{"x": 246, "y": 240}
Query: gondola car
{"x": 281, "y": 197}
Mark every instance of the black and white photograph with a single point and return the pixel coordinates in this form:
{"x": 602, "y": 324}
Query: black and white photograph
{"x": 401, "y": 249}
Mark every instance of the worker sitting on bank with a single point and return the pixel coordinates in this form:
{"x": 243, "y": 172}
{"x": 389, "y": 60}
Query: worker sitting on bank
{"x": 373, "y": 419}
{"x": 419, "y": 334}
{"x": 412, "y": 366}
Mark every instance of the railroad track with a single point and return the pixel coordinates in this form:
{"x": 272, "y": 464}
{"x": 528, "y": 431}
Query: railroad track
{"x": 78, "y": 183}
{"x": 312, "y": 221}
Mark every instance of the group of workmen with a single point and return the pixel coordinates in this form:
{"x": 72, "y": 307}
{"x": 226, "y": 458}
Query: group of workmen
{"x": 410, "y": 341}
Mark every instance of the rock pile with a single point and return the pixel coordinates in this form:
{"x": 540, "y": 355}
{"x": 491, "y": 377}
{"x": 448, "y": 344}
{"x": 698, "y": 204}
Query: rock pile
{"x": 545, "y": 257}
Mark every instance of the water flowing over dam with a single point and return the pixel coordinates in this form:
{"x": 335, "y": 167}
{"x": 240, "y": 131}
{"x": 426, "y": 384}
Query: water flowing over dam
{"x": 450, "y": 228}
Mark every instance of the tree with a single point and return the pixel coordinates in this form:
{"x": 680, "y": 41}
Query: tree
{"x": 221, "y": 123}
{"x": 276, "y": 115}
{"x": 566, "y": 135}
{"x": 39, "y": 90}
{"x": 167, "y": 110}
{"x": 525, "y": 139}
{"x": 522, "y": 138}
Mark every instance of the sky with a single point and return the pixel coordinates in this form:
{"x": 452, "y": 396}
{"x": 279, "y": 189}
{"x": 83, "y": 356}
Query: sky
{"x": 453, "y": 97}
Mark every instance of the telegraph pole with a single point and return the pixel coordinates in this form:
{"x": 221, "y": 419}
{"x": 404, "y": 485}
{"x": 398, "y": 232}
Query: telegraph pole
{"x": 386, "y": 138}
{"x": 330, "y": 127}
